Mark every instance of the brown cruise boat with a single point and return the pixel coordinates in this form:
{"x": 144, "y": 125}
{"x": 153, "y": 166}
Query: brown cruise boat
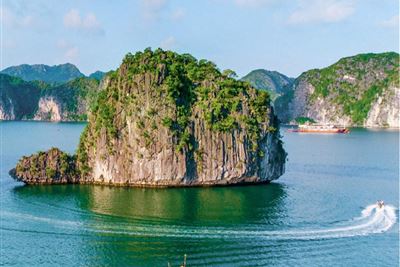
{"x": 315, "y": 128}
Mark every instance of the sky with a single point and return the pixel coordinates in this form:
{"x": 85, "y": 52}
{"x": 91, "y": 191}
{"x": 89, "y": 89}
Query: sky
{"x": 289, "y": 36}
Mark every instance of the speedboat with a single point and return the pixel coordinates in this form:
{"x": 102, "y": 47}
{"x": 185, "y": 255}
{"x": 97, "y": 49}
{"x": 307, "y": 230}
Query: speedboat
{"x": 380, "y": 203}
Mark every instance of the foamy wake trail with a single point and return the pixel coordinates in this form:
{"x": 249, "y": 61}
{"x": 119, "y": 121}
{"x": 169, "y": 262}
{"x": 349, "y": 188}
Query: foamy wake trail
{"x": 372, "y": 220}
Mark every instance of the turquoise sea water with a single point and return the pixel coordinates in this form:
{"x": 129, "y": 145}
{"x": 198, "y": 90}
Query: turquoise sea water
{"x": 320, "y": 213}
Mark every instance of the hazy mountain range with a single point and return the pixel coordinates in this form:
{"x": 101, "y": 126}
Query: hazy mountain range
{"x": 361, "y": 90}
{"x": 50, "y": 74}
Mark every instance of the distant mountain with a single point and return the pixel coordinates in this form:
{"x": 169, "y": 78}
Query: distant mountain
{"x": 49, "y": 74}
{"x": 273, "y": 81}
{"x": 362, "y": 90}
{"x": 22, "y": 100}
{"x": 98, "y": 75}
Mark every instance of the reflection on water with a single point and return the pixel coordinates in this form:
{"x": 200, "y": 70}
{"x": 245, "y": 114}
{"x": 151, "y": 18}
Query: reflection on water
{"x": 143, "y": 224}
{"x": 232, "y": 205}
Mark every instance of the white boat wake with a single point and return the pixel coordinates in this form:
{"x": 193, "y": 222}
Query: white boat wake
{"x": 373, "y": 220}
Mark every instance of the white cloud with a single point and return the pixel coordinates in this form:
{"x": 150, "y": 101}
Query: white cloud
{"x": 91, "y": 22}
{"x": 152, "y": 8}
{"x": 62, "y": 44}
{"x": 71, "y": 54}
{"x": 88, "y": 23}
{"x": 72, "y": 19}
{"x": 178, "y": 14}
{"x": 156, "y": 10}
{"x": 9, "y": 44}
{"x": 69, "y": 51}
{"x": 11, "y": 19}
{"x": 246, "y": 3}
{"x": 393, "y": 22}
{"x": 322, "y": 11}
{"x": 154, "y": 4}
{"x": 252, "y": 3}
{"x": 168, "y": 43}
{"x": 26, "y": 21}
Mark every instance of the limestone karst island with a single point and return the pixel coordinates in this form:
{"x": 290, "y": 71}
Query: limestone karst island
{"x": 166, "y": 119}
{"x": 216, "y": 133}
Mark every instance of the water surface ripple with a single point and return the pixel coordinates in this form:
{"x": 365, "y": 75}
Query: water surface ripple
{"x": 322, "y": 212}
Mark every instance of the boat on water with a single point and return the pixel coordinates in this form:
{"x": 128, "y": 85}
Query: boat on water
{"x": 380, "y": 204}
{"x": 315, "y": 128}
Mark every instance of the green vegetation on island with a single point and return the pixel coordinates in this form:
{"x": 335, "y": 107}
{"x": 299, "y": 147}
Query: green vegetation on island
{"x": 347, "y": 88}
{"x": 154, "y": 91}
{"x": 188, "y": 85}
{"x": 18, "y": 98}
{"x": 303, "y": 120}
{"x": 351, "y": 84}
{"x": 50, "y": 167}
{"x": 98, "y": 75}
{"x": 275, "y": 83}
{"x": 74, "y": 97}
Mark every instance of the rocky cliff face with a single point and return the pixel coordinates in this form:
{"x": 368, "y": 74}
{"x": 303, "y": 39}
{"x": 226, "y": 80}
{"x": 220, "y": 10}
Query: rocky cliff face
{"x": 67, "y": 102}
{"x": 385, "y": 110}
{"x": 21, "y": 100}
{"x": 169, "y": 120}
{"x": 7, "y": 109}
{"x": 48, "y": 110}
{"x": 357, "y": 91}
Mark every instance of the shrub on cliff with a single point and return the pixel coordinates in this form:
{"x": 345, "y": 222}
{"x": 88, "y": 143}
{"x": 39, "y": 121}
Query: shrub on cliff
{"x": 187, "y": 84}
{"x": 52, "y": 166}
